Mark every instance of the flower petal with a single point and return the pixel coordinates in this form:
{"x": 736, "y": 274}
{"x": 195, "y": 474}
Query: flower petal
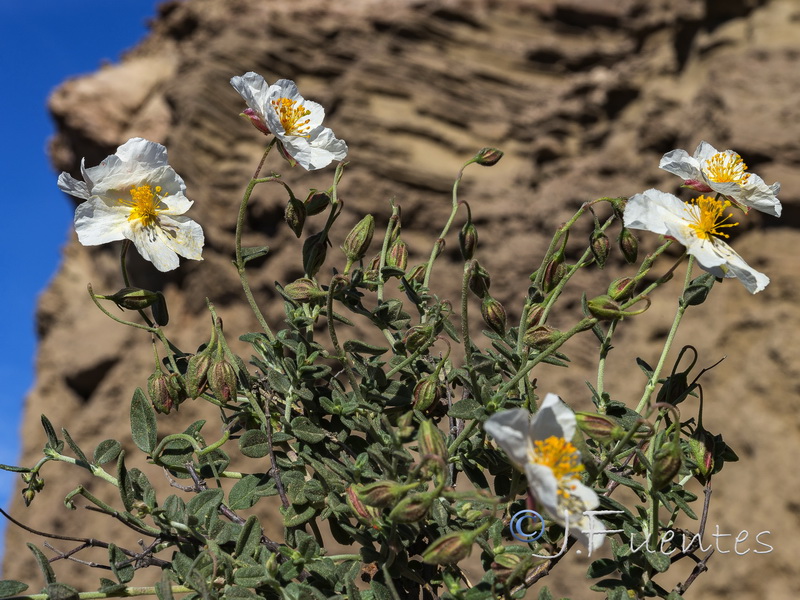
{"x": 509, "y": 428}
{"x": 255, "y": 91}
{"x": 73, "y": 187}
{"x": 678, "y": 162}
{"x": 182, "y": 235}
{"x": 97, "y": 223}
{"x": 152, "y": 244}
{"x": 554, "y": 418}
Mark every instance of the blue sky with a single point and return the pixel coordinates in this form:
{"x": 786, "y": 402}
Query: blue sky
{"x": 42, "y": 43}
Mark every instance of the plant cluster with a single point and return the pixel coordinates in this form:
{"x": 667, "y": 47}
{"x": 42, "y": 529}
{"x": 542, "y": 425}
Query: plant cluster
{"x": 418, "y": 459}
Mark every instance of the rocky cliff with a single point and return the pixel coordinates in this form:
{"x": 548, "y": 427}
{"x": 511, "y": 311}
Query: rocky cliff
{"x": 584, "y": 96}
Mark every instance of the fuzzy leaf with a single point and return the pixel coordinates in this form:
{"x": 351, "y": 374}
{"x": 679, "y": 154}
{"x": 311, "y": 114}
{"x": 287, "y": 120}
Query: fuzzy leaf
{"x": 107, "y": 451}
{"x": 143, "y": 422}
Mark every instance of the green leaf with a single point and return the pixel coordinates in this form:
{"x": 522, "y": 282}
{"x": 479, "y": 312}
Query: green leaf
{"x": 468, "y": 408}
{"x": 78, "y": 452}
{"x": 52, "y": 441}
{"x": 251, "y": 577}
{"x": 44, "y": 564}
{"x": 246, "y": 492}
{"x": 116, "y": 559}
{"x": 164, "y": 587}
{"x": 111, "y": 588}
{"x": 601, "y": 568}
{"x": 205, "y": 503}
{"x": 360, "y": 347}
{"x": 254, "y": 252}
{"x": 254, "y": 443}
{"x": 107, "y": 451}
{"x": 291, "y": 518}
{"x": 124, "y": 482}
{"x": 61, "y": 591}
{"x": 14, "y": 469}
{"x": 305, "y": 430}
{"x": 143, "y": 422}
{"x": 544, "y": 594}
{"x": 249, "y": 538}
{"x": 659, "y": 561}
{"x": 10, "y": 587}
{"x": 626, "y": 481}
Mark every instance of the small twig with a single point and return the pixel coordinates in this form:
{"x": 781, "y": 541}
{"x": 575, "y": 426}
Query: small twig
{"x": 700, "y": 567}
{"x": 274, "y": 470}
{"x": 68, "y": 555}
{"x": 175, "y": 484}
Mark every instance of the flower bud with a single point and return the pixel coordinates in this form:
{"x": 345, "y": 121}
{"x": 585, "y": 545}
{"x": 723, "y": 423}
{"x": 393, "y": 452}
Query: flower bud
{"x": 197, "y": 372}
{"x": 222, "y": 380}
{"x": 369, "y": 515}
{"x": 600, "y": 246}
{"x": 304, "y": 290}
{"x": 28, "y": 495}
{"x": 438, "y": 247}
{"x": 164, "y": 393}
{"x": 358, "y": 240}
{"x": 468, "y": 240}
{"x": 488, "y": 157}
{"x": 381, "y": 493}
{"x": 431, "y": 440}
{"x": 417, "y": 274}
{"x": 412, "y": 508}
{"x": 255, "y": 120}
{"x": 449, "y": 549}
{"x": 426, "y": 393}
{"x": 479, "y": 281}
{"x": 666, "y": 464}
{"x": 272, "y": 564}
{"x": 541, "y": 336}
{"x": 317, "y": 202}
{"x": 505, "y": 564}
{"x": 417, "y": 337}
{"x": 629, "y": 245}
{"x": 295, "y": 215}
{"x": 602, "y": 428}
{"x": 494, "y": 315}
{"x": 621, "y": 289}
{"x": 534, "y": 315}
{"x": 701, "y": 449}
{"x": 554, "y": 272}
{"x": 604, "y": 308}
{"x": 315, "y": 249}
{"x": 133, "y": 298}
{"x": 405, "y": 426}
{"x": 397, "y": 256}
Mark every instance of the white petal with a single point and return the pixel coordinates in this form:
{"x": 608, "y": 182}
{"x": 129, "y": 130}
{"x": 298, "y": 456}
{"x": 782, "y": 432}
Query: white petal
{"x": 254, "y": 89}
{"x": 150, "y": 243}
{"x": 183, "y": 236}
{"x": 97, "y": 223}
{"x": 678, "y": 162}
{"x": 757, "y": 194}
{"x": 721, "y": 260}
{"x": 509, "y": 428}
{"x": 645, "y": 210}
{"x": 73, "y": 187}
{"x": 144, "y": 151}
{"x": 703, "y": 152}
{"x": 176, "y": 204}
{"x": 544, "y": 486}
{"x": 554, "y": 418}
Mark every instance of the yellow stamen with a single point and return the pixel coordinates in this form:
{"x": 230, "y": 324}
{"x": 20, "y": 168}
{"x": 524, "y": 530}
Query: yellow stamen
{"x": 726, "y": 167}
{"x": 144, "y": 204}
{"x": 291, "y": 113}
{"x": 558, "y": 454}
{"x": 706, "y": 217}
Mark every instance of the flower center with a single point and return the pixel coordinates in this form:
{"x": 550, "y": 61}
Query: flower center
{"x": 706, "y": 218}
{"x": 560, "y": 455}
{"x": 291, "y": 113}
{"x": 143, "y": 204}
{"x": 726, "y": 167}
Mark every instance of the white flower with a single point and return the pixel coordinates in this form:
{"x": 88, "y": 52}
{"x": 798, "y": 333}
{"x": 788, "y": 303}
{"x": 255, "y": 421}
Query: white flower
{"x": 297, "y": 123}
{"x": 542, "y": 447}
{"x": 725, "y": 173}
{"x": 135, "y": 195}
{"x": 697, "y": 225}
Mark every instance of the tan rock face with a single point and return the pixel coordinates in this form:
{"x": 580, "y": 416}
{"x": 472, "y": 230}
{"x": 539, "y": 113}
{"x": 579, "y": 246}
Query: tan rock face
{"x": 584, "y": 98}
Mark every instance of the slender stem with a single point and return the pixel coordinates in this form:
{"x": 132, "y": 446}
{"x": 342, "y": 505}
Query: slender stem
{"x": 129, "y": 592}
{"x": 341, "y": 355}
{"x": 468, "y": 269}
{"x": 605, "y": 348}
{"x": 390, "y": 227}
{"x": 123, "y": 265}
{"x": 653, "y": 381}
{"x": 93, "y": 469}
